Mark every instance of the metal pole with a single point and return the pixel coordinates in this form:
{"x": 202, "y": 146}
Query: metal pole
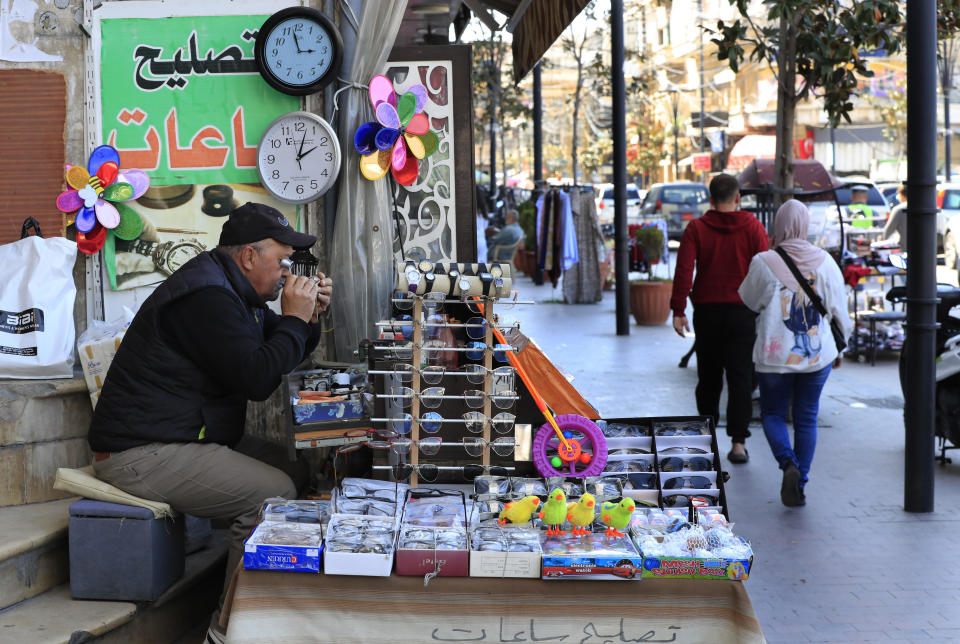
{"x": 702, "y": 99}
{"x": 676, "y": 138}
{"x": 946, "y": 134}
{"x": 493, "y": 136}
{"x": 619, "y": 99}
{"x": 537, "y": 127}
{"x": 919, "y": 394}
{"x": 833, "y": 150}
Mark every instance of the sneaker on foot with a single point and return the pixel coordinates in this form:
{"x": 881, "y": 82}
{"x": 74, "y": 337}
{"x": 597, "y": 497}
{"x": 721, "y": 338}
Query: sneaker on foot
{"x": 790, "y": 492}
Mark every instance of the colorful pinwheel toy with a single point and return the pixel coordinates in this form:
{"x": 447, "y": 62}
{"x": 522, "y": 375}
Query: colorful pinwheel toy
{"x": 96, "y": 196}
{"x": 400, "y": 137}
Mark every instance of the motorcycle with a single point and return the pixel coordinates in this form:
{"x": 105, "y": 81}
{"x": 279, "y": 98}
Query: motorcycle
{"x": 947, "y": 422}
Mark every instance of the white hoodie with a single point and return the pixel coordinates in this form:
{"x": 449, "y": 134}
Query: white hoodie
{"x": 791, "y": 337}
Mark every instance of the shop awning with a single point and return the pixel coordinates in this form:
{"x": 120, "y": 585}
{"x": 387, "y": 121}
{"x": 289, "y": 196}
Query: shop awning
{"x": 538, "y": 27}
{"x": 535, "y": 24}
{"x": 750, "y": 147}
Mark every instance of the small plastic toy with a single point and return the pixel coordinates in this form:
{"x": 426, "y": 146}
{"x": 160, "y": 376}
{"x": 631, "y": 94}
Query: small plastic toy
{"x": 517, "y": 512}
{"x": 581, "y": 514}
{"x": 554, "y": 512}
{"x": 616, "y": 516}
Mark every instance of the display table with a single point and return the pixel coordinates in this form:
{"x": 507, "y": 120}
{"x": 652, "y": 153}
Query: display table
{"x": 302, "y": 607}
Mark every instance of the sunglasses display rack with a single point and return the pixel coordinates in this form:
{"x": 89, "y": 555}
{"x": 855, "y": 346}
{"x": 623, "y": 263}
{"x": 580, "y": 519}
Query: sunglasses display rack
{"x": 672, "y": 462}
{"x": 423, "y": 284}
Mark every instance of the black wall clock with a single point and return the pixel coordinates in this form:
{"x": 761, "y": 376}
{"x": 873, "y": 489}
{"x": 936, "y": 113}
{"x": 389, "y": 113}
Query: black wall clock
{"x": 298, "y": 51}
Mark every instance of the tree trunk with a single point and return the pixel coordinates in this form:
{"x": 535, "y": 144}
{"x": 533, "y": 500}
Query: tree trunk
{"x": 786, "y": 111}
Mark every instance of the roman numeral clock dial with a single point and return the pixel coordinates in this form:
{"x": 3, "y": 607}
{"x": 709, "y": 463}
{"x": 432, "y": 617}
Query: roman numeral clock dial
{"x": 298, "y": 157}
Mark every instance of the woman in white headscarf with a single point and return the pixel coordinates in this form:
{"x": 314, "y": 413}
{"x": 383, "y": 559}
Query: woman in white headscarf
{"x": 795, "y": 349}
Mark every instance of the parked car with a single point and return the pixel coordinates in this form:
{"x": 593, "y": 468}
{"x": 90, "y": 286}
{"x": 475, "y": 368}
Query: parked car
{"x": 825, "y": 225}
{"x": 889, "y": 191}
{"x": 605, "y": 203}
{"x": 948, "y": 224}
{"x": 679, "y": 202}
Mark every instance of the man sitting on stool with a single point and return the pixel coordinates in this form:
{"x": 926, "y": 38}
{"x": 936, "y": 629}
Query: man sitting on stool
{"x": 169, "y": 422}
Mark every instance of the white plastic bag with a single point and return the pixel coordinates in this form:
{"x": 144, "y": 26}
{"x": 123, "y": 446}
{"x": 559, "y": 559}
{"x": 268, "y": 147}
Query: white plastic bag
{"x": 36, "y": 308}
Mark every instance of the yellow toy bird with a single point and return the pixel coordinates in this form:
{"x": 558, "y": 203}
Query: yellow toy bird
{"x": 581, "y": 514}
{"x": 616, "y": 516}
{"x": 554, "y": 512}
{"x": 519, "y": 511}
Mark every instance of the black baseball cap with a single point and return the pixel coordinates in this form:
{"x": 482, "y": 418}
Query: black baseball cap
{"x": 253, "y": 222}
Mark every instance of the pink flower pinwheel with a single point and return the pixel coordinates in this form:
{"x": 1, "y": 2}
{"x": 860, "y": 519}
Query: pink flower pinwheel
{"x": 96, "y": 193}
{"x": 400, "y": 136}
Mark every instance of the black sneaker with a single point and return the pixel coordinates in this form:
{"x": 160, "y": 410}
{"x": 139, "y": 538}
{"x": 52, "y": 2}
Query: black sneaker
{"x": 790, "y": 491}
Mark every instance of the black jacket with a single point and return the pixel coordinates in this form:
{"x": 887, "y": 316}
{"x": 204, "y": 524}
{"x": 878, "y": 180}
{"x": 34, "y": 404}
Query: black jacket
{"x": 201, "y": 345}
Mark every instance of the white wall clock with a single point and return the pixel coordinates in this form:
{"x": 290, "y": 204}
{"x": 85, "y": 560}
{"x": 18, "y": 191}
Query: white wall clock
{"x": 298, "y": 157}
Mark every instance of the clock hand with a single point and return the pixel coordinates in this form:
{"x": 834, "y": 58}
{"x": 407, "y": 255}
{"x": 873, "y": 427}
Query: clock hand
{"x": 300, "y": 149}
{"x": 300, "y": 156}
{"x": 297, "y": 43}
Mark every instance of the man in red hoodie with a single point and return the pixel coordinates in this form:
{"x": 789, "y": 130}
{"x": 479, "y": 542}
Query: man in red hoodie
{"x": 721, "y": 243}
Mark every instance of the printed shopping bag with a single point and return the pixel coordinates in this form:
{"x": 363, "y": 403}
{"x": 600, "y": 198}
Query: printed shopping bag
{"x": 36, "y": 307}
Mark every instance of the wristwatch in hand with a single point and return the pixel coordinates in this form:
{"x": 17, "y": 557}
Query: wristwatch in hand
{"x": 170, "y": 256}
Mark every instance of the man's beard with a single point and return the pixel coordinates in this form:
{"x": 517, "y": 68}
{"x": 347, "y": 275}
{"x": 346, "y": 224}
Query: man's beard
{"x": 278, "y": 287}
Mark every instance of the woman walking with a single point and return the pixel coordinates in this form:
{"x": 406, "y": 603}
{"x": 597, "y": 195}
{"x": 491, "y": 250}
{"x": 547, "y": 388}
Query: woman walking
{"x": 795, "y": 348}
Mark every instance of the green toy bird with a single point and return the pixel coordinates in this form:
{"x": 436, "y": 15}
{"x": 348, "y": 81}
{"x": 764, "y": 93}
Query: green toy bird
{"x": 616, "y": 516}
{"x": 554, "y": 512}
{"x": 581, "y": 514}
{"x": 518, "y": 511}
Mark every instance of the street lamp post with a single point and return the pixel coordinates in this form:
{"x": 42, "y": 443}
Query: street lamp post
{"x": 676, "y": 136}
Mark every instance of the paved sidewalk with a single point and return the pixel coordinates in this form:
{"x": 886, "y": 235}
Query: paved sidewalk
{"x": 851, "y": 566}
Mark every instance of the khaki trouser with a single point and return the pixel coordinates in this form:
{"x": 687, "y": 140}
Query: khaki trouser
{"x": 208, "y": 480}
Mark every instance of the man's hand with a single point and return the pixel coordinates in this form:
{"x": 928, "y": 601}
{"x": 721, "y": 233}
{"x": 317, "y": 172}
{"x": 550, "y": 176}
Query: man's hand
{"x": 837, "y": 362}
{"x": 324, "y": 293}
{"x": 680, "y": 324}
{"x": 299, "y": 297}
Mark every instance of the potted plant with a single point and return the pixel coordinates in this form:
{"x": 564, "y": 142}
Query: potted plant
{"x": 650, "y": 297}
{"x": 527, "y": 215}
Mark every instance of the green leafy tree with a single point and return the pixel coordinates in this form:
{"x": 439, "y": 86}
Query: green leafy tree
{"x": 505, "y": 102}
{"x": 815, "y": 42}
{"x": 893, "y": 113}
{"x": 574, "y": 43}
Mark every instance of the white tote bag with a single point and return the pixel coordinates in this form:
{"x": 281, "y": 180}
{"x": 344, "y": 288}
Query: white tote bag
{"x": 36, "y": 308}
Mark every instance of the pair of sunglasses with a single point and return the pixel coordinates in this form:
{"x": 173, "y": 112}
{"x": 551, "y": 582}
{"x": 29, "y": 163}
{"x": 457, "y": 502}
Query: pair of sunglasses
{"x": 695, "y": 482}
{"x": 687, "y": 500}
{"x": 681, "y": 449}
{"x": 694, "y": 464}
{"x": 429, "y": 473}
{"x": 431, "y": 422}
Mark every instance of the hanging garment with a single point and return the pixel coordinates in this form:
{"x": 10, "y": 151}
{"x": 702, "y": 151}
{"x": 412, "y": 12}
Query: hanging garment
{"x": 581, "y": 282}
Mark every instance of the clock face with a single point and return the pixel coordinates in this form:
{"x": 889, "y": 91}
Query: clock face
{"x": 298, "y": 157}
{"x": 180, "y": 254}
{"x": 298, "y": 50}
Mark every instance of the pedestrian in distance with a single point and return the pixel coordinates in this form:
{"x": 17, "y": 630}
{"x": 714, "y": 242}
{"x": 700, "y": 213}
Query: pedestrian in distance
{"x": 795, "y": 348}
{"x": 720, "y": 245}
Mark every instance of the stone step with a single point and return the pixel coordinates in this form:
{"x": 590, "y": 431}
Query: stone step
{"x": 55, "y": 618}
{"x": 43, "y": 426}
{"x": 33, "y": 549}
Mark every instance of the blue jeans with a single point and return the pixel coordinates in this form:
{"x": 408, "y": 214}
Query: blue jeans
{"x": 776, "y": 392}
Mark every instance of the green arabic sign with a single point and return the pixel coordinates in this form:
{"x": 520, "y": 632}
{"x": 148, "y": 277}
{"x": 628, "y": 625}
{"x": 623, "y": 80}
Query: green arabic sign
{"x": 181, "y": 97}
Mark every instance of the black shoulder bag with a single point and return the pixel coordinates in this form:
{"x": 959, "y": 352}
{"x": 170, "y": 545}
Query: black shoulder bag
{"x": 835, "y": 327}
